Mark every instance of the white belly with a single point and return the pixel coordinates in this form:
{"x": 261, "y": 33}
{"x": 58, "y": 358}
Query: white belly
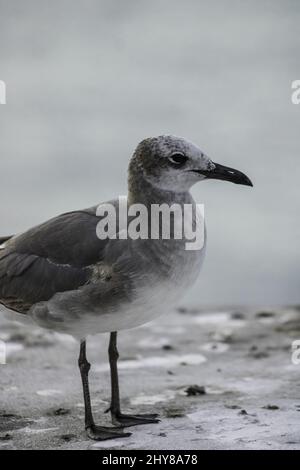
{"x": 149, "y": 303}
{"x": 153, "y": 295}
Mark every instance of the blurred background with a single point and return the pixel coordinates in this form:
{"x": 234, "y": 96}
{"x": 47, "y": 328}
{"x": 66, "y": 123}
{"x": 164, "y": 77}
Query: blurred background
{"x": 87, "y": 80}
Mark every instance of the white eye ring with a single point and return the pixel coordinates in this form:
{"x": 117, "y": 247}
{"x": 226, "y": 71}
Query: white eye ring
{"x": 178, "y": 159}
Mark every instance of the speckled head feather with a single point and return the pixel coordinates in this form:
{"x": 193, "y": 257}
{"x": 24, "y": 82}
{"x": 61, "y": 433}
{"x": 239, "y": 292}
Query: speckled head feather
{"x": 167, "y": 163}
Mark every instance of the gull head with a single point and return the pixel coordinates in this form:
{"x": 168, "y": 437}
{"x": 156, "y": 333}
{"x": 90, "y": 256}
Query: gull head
{"x": 173, "y": 163}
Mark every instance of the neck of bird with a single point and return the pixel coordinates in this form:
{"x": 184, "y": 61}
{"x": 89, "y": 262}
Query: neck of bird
{"x": 141, "y": 191}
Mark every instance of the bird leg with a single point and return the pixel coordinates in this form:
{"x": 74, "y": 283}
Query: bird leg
{"x": 118, "y": 417}
{"x": 98, "y": 433}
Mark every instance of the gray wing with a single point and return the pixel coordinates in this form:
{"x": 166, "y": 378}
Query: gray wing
{"x": 53, "y": 257}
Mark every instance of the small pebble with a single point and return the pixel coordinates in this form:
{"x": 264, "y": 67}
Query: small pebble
{"x": 6, "y": 437}
{"x": 67, "y": 437}
{"x": 237, "y": 316}
{"x": 167, "y": 347}
{"x": 259, "y": 354}
{"x": 271, "y": 407}
{"x": 174, "y": 413}
{"x": 194, "y": 390}
{"x": 264, "y": 314}
{"x": 59, "y": 412}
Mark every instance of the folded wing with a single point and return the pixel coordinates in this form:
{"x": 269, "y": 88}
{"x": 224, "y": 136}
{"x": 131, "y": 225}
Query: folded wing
{"x": 53, "y": 257}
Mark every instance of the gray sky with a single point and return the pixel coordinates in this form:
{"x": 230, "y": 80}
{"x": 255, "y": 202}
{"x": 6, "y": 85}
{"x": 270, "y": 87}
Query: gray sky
{"x": 87, "y": 80}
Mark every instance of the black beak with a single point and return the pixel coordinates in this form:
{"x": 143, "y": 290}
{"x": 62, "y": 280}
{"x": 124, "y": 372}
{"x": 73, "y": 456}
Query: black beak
{"x": 225, "y": 173}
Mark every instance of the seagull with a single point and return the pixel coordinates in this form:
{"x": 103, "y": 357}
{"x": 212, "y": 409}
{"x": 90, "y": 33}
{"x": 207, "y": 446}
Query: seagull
{"x": 67, "y": 279}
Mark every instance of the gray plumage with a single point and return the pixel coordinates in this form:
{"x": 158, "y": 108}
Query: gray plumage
{"x": 66, "y": 279}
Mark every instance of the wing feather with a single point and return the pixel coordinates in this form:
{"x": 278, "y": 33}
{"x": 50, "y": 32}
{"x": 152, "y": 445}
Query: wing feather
{"x": 53, "y": 257}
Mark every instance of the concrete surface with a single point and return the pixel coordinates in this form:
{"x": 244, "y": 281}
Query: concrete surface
{"x": 241, "y": 358}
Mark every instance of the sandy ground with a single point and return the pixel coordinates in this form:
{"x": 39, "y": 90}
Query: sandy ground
{"x": 240, "y": 359}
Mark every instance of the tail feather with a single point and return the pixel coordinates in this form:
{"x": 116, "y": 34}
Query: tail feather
{"x": 5, "y": 239}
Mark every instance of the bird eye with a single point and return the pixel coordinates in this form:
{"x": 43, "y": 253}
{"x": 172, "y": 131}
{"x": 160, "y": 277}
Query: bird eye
{"x": 178, "y": 159}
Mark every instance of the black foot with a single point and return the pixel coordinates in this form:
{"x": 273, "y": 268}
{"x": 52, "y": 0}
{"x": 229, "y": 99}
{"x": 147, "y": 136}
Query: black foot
{"x": 101, "y": 433}
{"x": 123, "y": 420}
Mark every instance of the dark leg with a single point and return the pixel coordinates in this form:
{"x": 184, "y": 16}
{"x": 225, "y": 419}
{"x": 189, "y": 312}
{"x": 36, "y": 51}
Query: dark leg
{"x": 117, "y": 416}
{"x": 99, "y": 433}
